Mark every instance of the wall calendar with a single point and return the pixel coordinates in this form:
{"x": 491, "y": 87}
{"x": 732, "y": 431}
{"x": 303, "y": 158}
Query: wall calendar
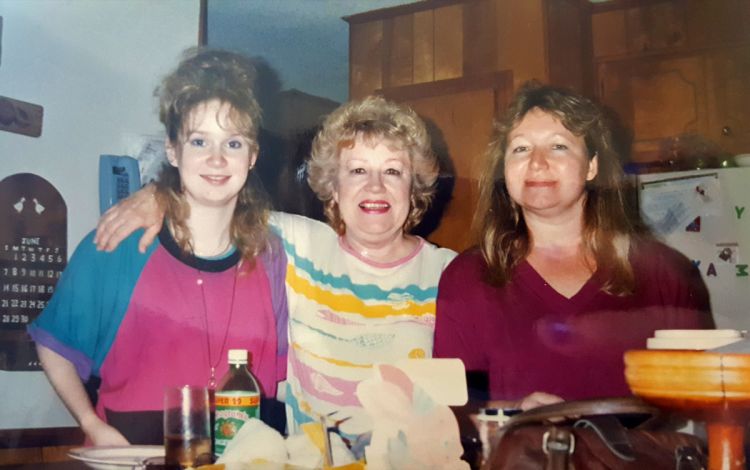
{"x": 33, "y": 254}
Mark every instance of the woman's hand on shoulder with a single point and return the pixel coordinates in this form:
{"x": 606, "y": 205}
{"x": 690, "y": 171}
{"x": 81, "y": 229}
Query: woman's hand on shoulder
{"x": 140, "y": 210}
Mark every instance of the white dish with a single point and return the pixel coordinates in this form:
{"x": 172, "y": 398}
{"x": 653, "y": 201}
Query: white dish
{"x": 688, "y": 343}
{"x": 116, "y": 457}
{"x": 692, "y": 339}
{"x": 698, "y": 334}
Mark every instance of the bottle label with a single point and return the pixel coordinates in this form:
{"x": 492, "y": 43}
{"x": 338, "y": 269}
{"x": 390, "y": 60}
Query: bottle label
{"x": 233, "y": 409}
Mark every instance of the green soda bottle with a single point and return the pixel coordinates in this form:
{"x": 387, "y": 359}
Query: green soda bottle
{"x": 237, "y": 399}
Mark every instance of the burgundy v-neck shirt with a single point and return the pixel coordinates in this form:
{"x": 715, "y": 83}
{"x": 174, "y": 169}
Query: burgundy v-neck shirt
{"x": 527, "y": 337}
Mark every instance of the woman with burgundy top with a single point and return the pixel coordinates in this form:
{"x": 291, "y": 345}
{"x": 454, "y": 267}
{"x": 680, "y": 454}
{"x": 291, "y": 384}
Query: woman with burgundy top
{"x": 561, "y": 284}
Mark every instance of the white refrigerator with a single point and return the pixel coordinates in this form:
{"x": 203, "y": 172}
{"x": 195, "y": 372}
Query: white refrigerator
{"x": 705, "y": 214}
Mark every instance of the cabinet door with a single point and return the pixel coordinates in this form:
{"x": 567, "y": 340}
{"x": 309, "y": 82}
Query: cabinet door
{"x": 712, "y": 23}
{"x": 656, "y": 98}
{"x": 463, "y": 121}
{"x": 730, "y": 99}
{"x": 656, "y": 27}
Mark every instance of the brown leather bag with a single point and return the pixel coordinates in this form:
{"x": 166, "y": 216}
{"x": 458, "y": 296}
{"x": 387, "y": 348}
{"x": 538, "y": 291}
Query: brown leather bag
{"x": 589, "y": 435}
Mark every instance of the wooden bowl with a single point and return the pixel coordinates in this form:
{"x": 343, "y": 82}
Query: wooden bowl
{"x": 711, "y": 387}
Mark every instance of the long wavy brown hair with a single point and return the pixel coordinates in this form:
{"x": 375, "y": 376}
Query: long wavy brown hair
{"x": 204, "y": 75}
{"x": 499, "y": 224}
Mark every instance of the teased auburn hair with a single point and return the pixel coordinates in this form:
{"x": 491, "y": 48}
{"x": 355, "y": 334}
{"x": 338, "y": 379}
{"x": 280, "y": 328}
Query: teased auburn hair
{"x": 204, "y": 75}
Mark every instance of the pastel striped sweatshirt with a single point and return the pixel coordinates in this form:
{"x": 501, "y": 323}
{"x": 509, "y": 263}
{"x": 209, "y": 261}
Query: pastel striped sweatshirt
{"x": 346, "y": 314}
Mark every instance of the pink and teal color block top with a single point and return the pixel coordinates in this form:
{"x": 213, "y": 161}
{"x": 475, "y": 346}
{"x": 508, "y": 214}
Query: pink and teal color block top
{"x": 142, "y": 323}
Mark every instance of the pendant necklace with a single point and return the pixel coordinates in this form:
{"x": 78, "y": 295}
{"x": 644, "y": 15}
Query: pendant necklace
{"x": 213, "y": 364}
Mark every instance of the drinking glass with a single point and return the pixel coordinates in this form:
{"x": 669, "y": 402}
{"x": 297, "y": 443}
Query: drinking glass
{"x": 187, "y": 427}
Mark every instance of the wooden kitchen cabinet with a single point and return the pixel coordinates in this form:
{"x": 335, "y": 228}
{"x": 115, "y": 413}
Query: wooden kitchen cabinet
{"x": 676, "y": 68}
{"x": 433, "y": 40}
{"x": 656, "y": 98}
{"x": 638, "y": 28}
{"x": 653, "y": 27}
{"x": 729, "y": 98}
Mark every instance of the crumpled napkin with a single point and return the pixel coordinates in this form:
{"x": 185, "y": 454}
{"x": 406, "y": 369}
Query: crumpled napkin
{"x": 257, "y": 445}
{"x": 254, "y": 442}
{"x": 410, "y": 430}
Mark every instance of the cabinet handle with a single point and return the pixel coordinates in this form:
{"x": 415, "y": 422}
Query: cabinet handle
{"x": 726, "y": 131}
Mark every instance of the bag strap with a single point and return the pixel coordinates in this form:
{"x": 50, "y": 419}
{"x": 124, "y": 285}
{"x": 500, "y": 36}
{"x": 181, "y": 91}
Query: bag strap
{"x": 581, "y": 408}
{"x": 612, "y": 433}
{"x": 558, "y": 443}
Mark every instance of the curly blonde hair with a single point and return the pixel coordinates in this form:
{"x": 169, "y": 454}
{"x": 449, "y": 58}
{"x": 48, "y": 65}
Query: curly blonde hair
{"x": 373, "y": 119}
{"x": 204, "y": 75}
{"x": 504, "y": 239}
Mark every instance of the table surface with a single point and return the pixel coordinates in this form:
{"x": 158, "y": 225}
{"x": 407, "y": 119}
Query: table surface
{"x": 70, "y": 465}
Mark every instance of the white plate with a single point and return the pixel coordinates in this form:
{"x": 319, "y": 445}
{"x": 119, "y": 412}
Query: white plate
{"x": 688, "y": 343}
{"x": 692, "y": 339}
{"x": 729, "y": 334}
{"x": 116, "y": 457}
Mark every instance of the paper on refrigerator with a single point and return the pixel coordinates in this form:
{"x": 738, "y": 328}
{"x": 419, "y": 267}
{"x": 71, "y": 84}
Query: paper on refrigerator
{"x": 672, "y": 204}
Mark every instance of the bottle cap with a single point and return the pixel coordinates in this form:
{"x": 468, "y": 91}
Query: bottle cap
{"x": 237, "y": 356}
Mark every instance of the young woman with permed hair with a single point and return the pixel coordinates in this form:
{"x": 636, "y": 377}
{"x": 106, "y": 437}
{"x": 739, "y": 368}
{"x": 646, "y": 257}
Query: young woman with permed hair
{"x": 213, "y": 281}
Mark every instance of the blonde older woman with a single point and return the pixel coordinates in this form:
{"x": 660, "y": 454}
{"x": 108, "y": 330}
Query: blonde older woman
{"x": 362, "y": 290}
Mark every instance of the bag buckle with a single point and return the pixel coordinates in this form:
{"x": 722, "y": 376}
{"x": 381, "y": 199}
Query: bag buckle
{"x": 688, "y": 458}
{"x": 557, "y": 445}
